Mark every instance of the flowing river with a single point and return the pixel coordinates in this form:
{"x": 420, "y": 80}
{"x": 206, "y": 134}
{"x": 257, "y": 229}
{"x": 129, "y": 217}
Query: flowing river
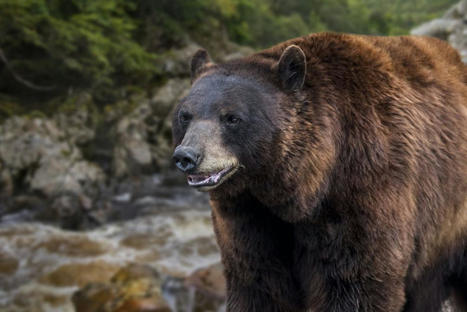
{"x": 42, "y": 265}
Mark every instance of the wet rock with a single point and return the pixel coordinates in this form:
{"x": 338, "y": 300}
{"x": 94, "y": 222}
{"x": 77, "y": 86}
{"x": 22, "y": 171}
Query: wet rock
{"x": 37, "y": 157}
{"x": 67, "y": 209}
{"x": 65, "y": 174}
{"x": 9, "y": 233}
{"x": 53, "y": 263}
{"x": 142, "y": 305}
{"x": 66, "y": 205}
{"x": 73, "y": 246}
{"x": 132, "y": 151}
{"x": 26, "y": 202}
{"x": 142, "y": 241}
{"x": 43, "y": 171}
{"x": 210, "y": 288}
{"x": 76, "y": 121}
{"x": 210, "y": 281}
{"x": 94, "y": 297}
{"x": 8, "y": 264}
{"x": 202, "y": 246}
{"x": 451, "y": 27}
{"x": 80, "y": 274}
{"x": 38, "y": 300}
{"x": 6, "y": 183}
{"x": 24, "y": 142}
{"x": 202, "y": 291}
{"x": 135, "y": 288}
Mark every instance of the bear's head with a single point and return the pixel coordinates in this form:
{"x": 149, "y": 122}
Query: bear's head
{"x": 232, "y": 131}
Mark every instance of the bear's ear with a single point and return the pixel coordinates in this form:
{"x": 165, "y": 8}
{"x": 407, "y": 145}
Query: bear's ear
{"x": 198, "y": 61}
{"x": 292, "y": 68}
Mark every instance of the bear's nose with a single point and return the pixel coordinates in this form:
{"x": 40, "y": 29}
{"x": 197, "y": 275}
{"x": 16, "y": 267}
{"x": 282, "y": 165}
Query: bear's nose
{"x": 186, "y": 158}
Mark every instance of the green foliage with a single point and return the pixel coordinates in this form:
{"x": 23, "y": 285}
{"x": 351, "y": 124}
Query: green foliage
{"x": 261, "y": 23}
{"x": 8, "y": 107}
{"x": 72, "y": 44}
{"x": 109, "y": 47}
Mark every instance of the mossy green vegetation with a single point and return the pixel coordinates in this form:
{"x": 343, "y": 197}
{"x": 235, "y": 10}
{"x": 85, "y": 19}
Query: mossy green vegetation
{"x": 262, "y": 23}
{"x": 64, "y": 46}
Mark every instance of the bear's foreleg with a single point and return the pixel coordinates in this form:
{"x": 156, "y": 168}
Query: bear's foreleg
{"x": 343, "y": 266}
{"x": 256, "y": 249}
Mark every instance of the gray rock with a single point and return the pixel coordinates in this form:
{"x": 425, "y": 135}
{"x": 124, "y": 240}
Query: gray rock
{"x": 64, "y": 174}
{"x": 132, "y": 152}
{"x": 36, "y": 154}
{"x": 142, "y": 138}
{"x": 451, "y": 27}
{"x": 174, "y": 63}
{"x": 134, "y": 288}
{"x": 76, "y": 125}
{"x": 439, "y": 28}
{"x": 165, "y": 98}
{"x": 6, "y": 183}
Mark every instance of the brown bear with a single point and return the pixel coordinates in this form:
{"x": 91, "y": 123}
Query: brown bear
{"x": 337, "y": 170}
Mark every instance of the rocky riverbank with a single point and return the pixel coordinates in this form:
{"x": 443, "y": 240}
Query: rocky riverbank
{"x": 148, "y": 261}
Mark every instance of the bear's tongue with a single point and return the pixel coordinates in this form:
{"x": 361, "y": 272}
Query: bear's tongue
{"x": 206, "y": 179}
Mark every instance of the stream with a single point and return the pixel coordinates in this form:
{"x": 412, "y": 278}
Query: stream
{"x": 41, "y": 265}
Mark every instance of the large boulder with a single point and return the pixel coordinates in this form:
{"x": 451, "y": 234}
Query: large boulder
{"x": 135, "y": 288}
{"x": 202, "y": 291}
{"x": 36, "y": 155}
{"x": 76, "y": 119}
{"x": 142, "y": 137}
{"x": 39, "y": 163}
{"x": 138, "y": 287}
{"x": 452, "y": 26}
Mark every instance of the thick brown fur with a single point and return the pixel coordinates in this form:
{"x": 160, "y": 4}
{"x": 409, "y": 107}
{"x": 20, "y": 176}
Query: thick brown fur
{"x": 359, "y": 202}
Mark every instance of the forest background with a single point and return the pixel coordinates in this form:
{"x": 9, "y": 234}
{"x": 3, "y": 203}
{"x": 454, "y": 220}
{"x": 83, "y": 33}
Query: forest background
{"x": 50, "y": 49}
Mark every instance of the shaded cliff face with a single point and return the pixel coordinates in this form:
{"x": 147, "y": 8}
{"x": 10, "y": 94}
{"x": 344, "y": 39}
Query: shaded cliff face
{"x": 452, "y": 26}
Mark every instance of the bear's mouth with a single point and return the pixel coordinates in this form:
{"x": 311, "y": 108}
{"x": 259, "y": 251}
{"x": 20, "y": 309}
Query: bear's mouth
{"x": 209, "y": 181}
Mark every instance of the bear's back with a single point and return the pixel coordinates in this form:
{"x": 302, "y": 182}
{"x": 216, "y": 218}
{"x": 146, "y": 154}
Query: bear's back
{"x": 417, "y": 61}
{"x": 424, "y": 58}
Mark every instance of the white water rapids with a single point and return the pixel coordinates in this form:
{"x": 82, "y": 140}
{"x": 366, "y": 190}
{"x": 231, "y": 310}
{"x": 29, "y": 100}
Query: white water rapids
{"x": 175, "y": 242}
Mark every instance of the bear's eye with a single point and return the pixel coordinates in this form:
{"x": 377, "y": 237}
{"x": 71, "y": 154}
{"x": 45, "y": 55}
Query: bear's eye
{"x": 232, "y": 119}
{"x": 185, "y": 117}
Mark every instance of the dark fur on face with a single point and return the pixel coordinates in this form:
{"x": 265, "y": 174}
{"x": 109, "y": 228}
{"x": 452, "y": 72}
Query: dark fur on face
{"x": 350, "y": 185}
{"x": 233, "y": 115}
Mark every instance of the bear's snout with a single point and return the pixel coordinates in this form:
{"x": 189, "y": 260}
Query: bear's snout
{"x": 186, "y": 158}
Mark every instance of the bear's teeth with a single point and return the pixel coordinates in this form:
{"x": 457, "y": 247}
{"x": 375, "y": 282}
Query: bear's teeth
{"x": 194, "y": 178}
{"x": 207, "y": 179}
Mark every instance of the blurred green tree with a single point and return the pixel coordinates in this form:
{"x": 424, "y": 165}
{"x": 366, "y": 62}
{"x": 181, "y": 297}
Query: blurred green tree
{"x": 73, "y": 44}
{"x": 51, "y": 48}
